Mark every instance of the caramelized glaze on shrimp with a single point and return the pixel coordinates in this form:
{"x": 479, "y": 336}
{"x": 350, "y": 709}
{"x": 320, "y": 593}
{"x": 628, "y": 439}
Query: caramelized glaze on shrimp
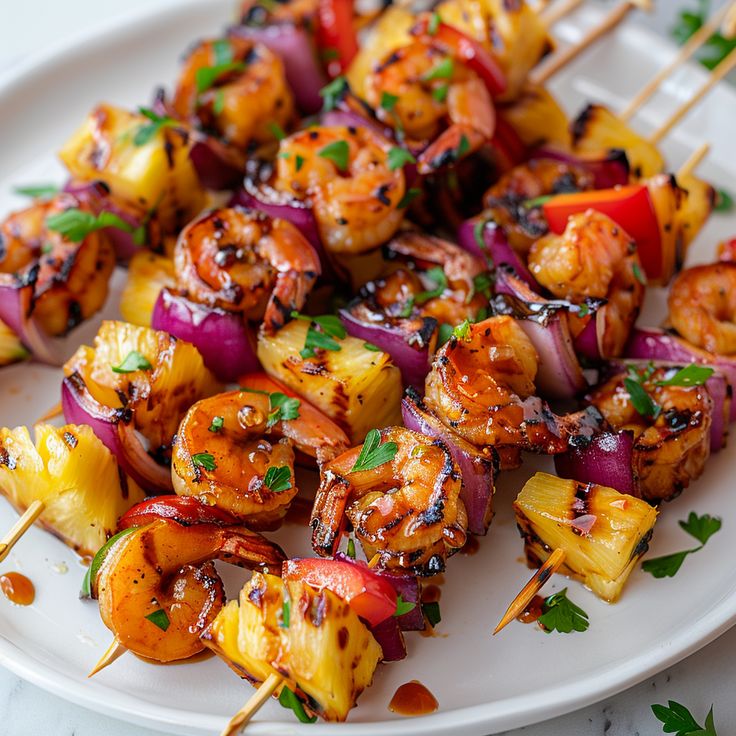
{"x": 246, "y": 102}
{"x": 407, "y": 510}
{"x": 482, "y": 386}
{"x": 222, "y": 457}
{"x": 702, "y": 305}
{"x": 244, "y": 261}
{"x": 345, "y": 172}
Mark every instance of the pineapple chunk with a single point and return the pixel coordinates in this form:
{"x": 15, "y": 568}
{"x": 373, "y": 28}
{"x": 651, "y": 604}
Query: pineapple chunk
{"x": 597, "y": 129}
{"x": 357, "y": 388}
{"x": 325, "y": 654}
{"x": 603, "y": 532}
{"x": 153, "y": 175}
{"x": 74, "y": 475}
{"x": 694, "y": 210}
{"x": 537, "y": 118}
{"x": 147, "y": 275}
{"x": 11, "y": 348}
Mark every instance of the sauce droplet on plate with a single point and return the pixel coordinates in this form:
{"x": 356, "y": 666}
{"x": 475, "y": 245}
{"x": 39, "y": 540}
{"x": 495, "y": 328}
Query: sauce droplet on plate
{"x": 532, "y": 612}
{"x": 17, "y": 588}
{"x": 413, "y": 699}
{"x": 300, "y": 512}
{"x": 470, "y": 547}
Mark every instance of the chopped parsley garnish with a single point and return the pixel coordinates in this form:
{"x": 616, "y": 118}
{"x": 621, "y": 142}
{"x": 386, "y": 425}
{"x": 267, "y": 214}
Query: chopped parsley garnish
{"x": 351, "y": 548}
{"x": 409, "y": 196}
{"x": 440, "y": 93}
{"x": 216, "y": 424}
{"x": 146, "y": 131}
{"x": 437, "y": 276}
{"x": 442, "y": 70}
{"x": 444, "y": 333}
{"x": 282, "y": 408}
{"x": 276, "y": 130}
{"x": 206, "y": 76}
{"x": 333, "y": 92}
{"x": 432, "y": 613}
{"x": 559, "y": 613}
{"x": 91, "y": 575}
{"x": 402, "y": 606}
{"x": 690, "y": 375}
{"x": 462, "y": 330}
{"x": 388, "y": 101}
{"x": 219, "y": 102}
{"x": 133, "y": 361}
{"x": 338, "y": 152}
{"x": 478, "y": 230}
{"x": 724, "y": 201}
{"x": 159, "y": 618}
{"x": 374, "y": 453}
{"x": 255, "y": 391}
{"x": 677, "y": 719}
{"x": 530, "y": 204}
{"x": 278, "y": 479}
{"x": 482, "y": 283}
{"x": 434, "y": 23}
{"x": 332, "y": 329}
{"x": 285, "y": 613}
{"x": 38, "y": 191}
{"x": 462, "y": 148}
{"x": 701, "y": 528}
{"x": 298, "y": 162}
{"x": 639, "y": 274}
{"x": 291, "y": 702}
{"x": 204, "y": 460}
{"x": 370, "y": 346}
{"x": 75, "y": 225}
{"x": 398, "y": 157}
{"x": 583, "y": 310}
{"x": 644, "y": 404}
{"x": 716, "y": 48}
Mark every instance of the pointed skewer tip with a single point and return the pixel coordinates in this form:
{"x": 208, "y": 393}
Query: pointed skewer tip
{"x": 114, "y": 651}
{"x": 243, "y": 717}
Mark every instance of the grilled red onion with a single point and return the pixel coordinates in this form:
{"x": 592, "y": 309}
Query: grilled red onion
{"x": 477, "y": 467}
{"x": 388, "y": 635}
{"x": 650, "y": 343}
{"x": 296, "y": 50}
{"x": 610, "y": 171}
{"x": 218, "y": 166}
{"x": 224, "y": 339}
{"x": 559, "y": 375}
{"x": 114, "y": 428}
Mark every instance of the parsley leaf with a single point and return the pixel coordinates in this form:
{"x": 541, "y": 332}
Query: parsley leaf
{"x": 640, "y": 399}
{"x": 276, "y": 130}
{"x": 373, "y": 453}
{"x": 666, "y": 566}
{"x": 133, "y": 361}
{"x": 298, "y": 162}
{"x": 283, "y": 408}
{"x": 561, "y": 614}
{"x": 482, "y": 283}
{"x": 462, "y": 148}
{"x": 388, "y": 101}
{"x": 333, "y": 92}
{"x": 690, "y": 375}
{"x": 147, "y": 131}
{"x": 278, "y": 479}
{"x": 370, "y": 346}
{"x": 409, "y": 196}
{"x": 285, "y": 612}
{"x": 437, "y": 276}
{"x": 677, "y": 719}
{"x": 75, "y": 225}
{"x": 159, "y": 618}
{"x": 331, "y": 327}
{"x": 724, "y": 201}
{"x": 350, "y": 552}
{"x": 639, "y": 274}
{"x": 440, "y": 93}
{"x": 442, "y": 70}
{"x": 432, "y": 613}
{"x": 219, "y": 103}
{"x": 216, "y": 424}
{"x": 403, "y": 606}
{"x": 398, "y": 157}
{"x": 38, "y": 191}
{"x": 716, "y": 48}
{"x": 701, "y": 527}
{"x": 530, "y": 204}
{"x": 206, "y": 76}
{"x": 444, "y": 333}
{"x": 291, "y": 702}
{"x": 434, "y": 24}
{"x": 204, "y": 460}
{"x": 338, "y": 152}
{"x": 461, "y": 330}
{"x": 478, "y": 231}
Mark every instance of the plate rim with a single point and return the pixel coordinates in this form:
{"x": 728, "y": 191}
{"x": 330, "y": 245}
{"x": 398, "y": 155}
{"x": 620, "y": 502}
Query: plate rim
{"x": 476, "y": 719}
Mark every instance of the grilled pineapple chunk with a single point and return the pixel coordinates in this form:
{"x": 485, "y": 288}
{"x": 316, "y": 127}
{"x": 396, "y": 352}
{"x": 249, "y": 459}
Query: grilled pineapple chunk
{"x": 11, "y": 348}
{"x": 325, "y": 654}
{"x": 358, "y": 388}
{"x": 603, "y": 532}
{"x": 597, "y": 129}
{"x": 155, "y": 173}
{"x": 74, "y": 475}
{"x": 696, "y": 206}
{"x": 148, "y": 273}
{"x": 537, "y": 118}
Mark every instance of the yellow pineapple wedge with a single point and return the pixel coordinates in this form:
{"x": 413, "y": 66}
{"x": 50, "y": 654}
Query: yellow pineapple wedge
{"x": 695, "y": 208}
{"x": 602, "y": 532}
{"x": 597, "y": 129}
{"x": 324, "y": 652}
{"x": 148, "y": 273}
{"x": 356, "y": 387}
{"x": 146, "y": 167}
{"x": 74, "y": 475}
{"x": 537, "y": 118}
{"x": 11, "y": 349}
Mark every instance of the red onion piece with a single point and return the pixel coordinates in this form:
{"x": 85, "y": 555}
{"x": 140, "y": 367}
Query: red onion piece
{"x": 588, "y": 342}
{"x": 218, "y": 166}
{"x": 650, "y": 343}
{"x": 478, "y": 468}
{"x": 559, "y": 375}
{"x": 609, "y": 171}
{"x": 115, "y": 430}
{"x": 296, "y": 50}
{"x": 388, "y": 635}
{"x": 607, "y": 461}
{"x": 407, "y": 341}
{"x": 495, "y": 249}
{"x": 224, "y": 339}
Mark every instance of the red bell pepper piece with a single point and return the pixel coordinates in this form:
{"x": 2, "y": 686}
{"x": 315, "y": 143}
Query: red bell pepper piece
{"x": 465, "y": 49}
{"x": 507, "y": 143}
{"x": 336, "y": 33}
{"x": 727, "y": 250}
{"x": 369, "y": 595}
{"x": 629, "y": 206}
{"x": 185, "y": 510}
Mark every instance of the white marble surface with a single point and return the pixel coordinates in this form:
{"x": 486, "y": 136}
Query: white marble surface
{"x": 701, "y": 680}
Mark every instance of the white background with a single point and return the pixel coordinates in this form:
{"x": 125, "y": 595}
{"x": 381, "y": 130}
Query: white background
{"x": 29, "y": 26}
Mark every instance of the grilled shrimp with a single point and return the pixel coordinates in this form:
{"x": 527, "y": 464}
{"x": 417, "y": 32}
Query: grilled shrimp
{"x": 222, "y": 457}
{"x": 406, "y": 510}
{"x": 244, "y": 261}
{"x": 702, "y": 305}
{"x": 70, "y": 279}
{"x": 482, "y": 386}
{"x": 441, "y": 105}
{"x": 594, "y": 257}
{"x": 246, "y": 103}
{"x": 258, "y": 13}
{"x": 158, "y": 589}
{"x": 537, "y": 178}
{"x": 345, "y": 172}
{"x": 671, "y": 444}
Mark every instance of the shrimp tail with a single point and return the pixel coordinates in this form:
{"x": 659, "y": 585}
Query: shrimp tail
{"x": 328, "y": 517}
{"x": 250, "y": 549}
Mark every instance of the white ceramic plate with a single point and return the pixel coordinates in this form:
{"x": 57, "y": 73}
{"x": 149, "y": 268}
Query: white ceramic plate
{"x": 483, "y": 684}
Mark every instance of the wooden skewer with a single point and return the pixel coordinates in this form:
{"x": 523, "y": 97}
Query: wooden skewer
{"x": 534, "y": 585}
{"x": 716, "y": 76}
{"x": 558, "y": 11}
{"x": 374, "y": 560}
{"x": 241, "y": 719}
{"x": 20, "y": 528}
{"x": 693, "y": 44}
{"x": 54, "y": 411}
{"x": 613, "y": 19}
{"x": 114, "y": 651}
{"x": 728, "y": 29}
{"x": 694, "y": 161}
